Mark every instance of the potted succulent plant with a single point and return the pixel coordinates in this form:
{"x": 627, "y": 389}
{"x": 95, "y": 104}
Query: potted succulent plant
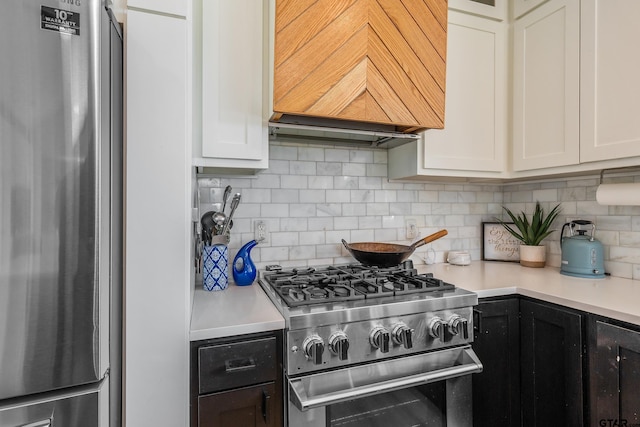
{"x": 531, "y": 234}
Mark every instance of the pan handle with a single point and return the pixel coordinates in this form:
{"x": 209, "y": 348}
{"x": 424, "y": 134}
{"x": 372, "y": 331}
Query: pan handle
{"x": 428, "y": 239}
{"x": 346, "y": 245}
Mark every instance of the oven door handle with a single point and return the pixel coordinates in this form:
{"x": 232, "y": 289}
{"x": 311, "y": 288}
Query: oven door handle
{"x": 328, "y": 388}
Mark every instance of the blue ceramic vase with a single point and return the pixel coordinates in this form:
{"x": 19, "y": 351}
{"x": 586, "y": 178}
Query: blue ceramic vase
{"x": 244, "y": 270}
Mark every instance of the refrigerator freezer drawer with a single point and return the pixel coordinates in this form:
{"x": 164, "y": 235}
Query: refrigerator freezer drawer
{"x": 85, "y": 406}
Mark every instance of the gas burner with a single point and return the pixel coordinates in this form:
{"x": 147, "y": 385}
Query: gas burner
{"x": 309, "y": 285}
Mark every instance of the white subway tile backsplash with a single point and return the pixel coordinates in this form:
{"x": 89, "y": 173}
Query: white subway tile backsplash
{"x": 312, "y": 197}
{"x": 547, "y": 195}
{"x": 354, "y": 169}
{"x": 320, "y": 182}
{"x": 314, "y": 154}
{"x": 278, "y": 196}
{"x": 377, "y": 209}
{"x": 338, "y": 196}
{"x": 370, "y": 183}
{"x": 345, "y": 182}
{"x": 611, "y": 222}
{"x": 296, "y": 224}
{"x": 360, "y": 156}
{"x": 282, "y": 152}
{"x": 329, "y": 169}
{"x": 346, "y": 223}
{"x": 285, "y": 238}
{"x": 354, "y": 209}
{"x": 376, "y": 169}
{"x": 331, "y": 209}
{"x": 294, "y": 181}
{"x": 369, "y": 222}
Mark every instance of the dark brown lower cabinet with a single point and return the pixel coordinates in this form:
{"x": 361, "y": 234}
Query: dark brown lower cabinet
{"x": 250, "y": 406}
{"x": 614, "y": 380}
{"x": 496, "y": 390}
{"x": 551, "y": 355}
{"x": 237, "y": 381}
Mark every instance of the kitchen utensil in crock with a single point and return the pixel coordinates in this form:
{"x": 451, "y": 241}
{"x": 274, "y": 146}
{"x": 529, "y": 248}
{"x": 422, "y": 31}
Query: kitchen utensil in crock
{"x": 234, "y": 204}
{"x": 225, "y": 197}
{"x": 207, "y": 227}
{"x": 219, "y": 218}
{"x": 582, "y": 254}
{"x": 243, "y": 269}
{"x": 387, "y": 254}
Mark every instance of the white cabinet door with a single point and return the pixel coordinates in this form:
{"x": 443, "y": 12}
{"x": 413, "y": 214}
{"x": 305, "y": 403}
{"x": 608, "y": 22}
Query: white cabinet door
{"x": 495, "y": 9}
{"x": 520, "y": 7}
{"x": 234, "y": 84}
{"x": 474, "y": 136}
{"x": 172, "y": 7}
{"x": 546, "y": 85}
{"x": 610, "y": 80}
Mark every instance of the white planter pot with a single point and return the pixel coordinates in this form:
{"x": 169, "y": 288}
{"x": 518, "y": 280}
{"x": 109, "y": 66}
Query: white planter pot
{"x": 533, "y": 256}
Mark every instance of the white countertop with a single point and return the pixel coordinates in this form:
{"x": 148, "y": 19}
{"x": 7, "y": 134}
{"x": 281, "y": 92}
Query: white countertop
{"x": 246, "y": 309}
{"x": 236, "y": 310}
{"x": 613, "y": 297}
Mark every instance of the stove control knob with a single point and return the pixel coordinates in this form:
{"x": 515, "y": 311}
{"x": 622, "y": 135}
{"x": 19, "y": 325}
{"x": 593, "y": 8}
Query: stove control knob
{"x": 313, "y": 347}
{"x": 339, "y": 344}
{"x": 458, "y": 325}
{"x": 379, "y": 338}
{"x": 402, "y": 334}
{"x": 437, "y": 328}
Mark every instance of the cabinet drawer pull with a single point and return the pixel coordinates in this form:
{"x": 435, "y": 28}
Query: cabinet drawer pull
{"x": 238, "y": 365}
{"x": 477, "y": 321}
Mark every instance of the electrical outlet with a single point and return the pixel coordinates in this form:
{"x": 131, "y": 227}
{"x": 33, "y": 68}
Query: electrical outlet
{"x": 261, "y": 232}
{"x": 412, "y": 228}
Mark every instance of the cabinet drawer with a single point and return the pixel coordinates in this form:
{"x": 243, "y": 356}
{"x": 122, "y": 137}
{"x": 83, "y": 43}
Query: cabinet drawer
{"x": 225, "y": 366}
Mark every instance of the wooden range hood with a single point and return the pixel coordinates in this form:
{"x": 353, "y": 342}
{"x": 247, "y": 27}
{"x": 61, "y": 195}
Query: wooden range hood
{"x": 366, "y": 65}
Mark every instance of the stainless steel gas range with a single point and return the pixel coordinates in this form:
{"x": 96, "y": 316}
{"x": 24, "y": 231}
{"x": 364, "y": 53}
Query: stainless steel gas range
{"x": 367, "y": 346}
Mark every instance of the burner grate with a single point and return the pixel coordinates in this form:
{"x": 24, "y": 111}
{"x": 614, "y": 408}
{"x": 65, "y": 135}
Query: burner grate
{"x": 306, "y": 286}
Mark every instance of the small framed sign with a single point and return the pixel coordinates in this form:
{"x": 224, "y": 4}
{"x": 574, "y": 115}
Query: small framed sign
{"x": 498, "y": 244}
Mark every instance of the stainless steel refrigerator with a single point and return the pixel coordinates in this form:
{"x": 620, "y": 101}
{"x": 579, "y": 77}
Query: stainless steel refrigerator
{"x": 60, "y": 213}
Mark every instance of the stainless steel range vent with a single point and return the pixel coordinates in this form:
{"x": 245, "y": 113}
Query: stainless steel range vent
{"x": 318, "y": 130}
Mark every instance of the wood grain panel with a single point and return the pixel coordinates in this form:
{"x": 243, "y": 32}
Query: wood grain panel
{"x": 439, "y": 9}
{"x": 321, "y": 65}
{"x": 344, "y": 92}
{"x": 415, "y": 69}
{"x": 310, "y": 56}
{"x": 301, "y": 97}
{"x": 288, "y": 10}
{"x": 393, "y": 106}
{"x": 357, "y": 108}
{"x": 400, "y": 83}
{"x": 307, "y": 25}
{"x": 414, "y": 37}
{"x": 428, "y": 23}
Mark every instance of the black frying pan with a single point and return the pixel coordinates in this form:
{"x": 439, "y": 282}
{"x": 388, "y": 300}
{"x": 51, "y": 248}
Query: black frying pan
{"x": 387, "y": 254}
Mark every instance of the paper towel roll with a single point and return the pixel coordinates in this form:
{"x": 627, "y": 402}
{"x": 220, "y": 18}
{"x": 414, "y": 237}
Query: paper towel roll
{"x": 627, "y": 194}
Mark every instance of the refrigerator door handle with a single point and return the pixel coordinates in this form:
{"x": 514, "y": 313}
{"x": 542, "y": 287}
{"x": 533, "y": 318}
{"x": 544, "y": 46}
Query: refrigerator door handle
{"x": 43, "y": 423}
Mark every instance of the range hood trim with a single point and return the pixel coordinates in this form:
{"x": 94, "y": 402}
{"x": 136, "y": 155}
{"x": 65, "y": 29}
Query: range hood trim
{"x": 328, "y": 134}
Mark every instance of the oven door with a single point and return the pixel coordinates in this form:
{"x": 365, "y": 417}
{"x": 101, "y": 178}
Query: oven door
{"x": 431, "y": 389}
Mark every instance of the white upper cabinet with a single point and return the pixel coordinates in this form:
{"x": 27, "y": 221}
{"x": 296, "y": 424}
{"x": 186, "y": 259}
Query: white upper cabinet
{"x": 520, "y": 7}
{"x": 474, "y": 137}
{"x": 610, "y": 80}
{"x": 172, "y": 7}
{"x": 231, "y": 84}
{"x": 546, "y": 75}
{"x": 494, "y": 9}
{"x": 473, "y": 141}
